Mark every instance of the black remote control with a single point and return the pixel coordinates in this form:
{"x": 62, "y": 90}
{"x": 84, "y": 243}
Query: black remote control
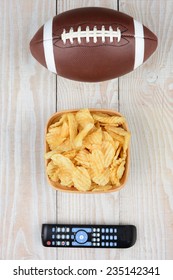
{"x": 97, "y": 236}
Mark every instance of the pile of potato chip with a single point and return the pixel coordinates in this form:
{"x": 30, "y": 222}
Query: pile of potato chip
{"x": 88, "y": 150}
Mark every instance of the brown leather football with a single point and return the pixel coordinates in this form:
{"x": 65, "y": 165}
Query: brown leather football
{"x": 92, "y": 44}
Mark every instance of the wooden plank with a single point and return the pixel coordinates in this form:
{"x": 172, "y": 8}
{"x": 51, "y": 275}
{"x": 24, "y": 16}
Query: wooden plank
{"x": 75, "y": 208}
{"x": 27, "y": 99}
{"x": 145, "y": 99}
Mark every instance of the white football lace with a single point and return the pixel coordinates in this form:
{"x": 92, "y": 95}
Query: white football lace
{"x": 87, "y": 34}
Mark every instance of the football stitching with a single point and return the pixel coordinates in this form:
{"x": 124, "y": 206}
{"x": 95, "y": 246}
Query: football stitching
{"x": 88, "y": 34}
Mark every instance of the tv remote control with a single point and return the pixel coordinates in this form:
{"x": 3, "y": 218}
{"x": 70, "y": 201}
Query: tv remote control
{"x": 92, "y": 236}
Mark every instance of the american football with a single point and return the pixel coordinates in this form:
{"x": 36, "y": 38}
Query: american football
{"x": 92, "y": 44}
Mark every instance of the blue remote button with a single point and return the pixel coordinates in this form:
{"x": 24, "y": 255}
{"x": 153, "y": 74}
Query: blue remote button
{"x": 85, "y": 229}
{"x": 81, "y": 236}
{"x": 77, "y": 244}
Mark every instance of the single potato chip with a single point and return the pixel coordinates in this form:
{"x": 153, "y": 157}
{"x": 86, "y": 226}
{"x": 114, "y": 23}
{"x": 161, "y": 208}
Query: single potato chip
{"x": 83, "y": 158}
{"x": 103, "y": 178}
{"x": 97, "y": 160}
{"x": 65, "y": 176}
{"x": 59, "y": 122}
{"x": 120, "y": 170}
{"x": 79, "y": 138}
{"x": 95, "y": 137}
{"x": 72, "y": 126}
{"x": 54, "y": 140}
{"x": 81, "y": 178}
{"x": 109, "y": 152}
{"x": 116, "y": 120}
{"x": 52, "y": 171}
{"x": 84, "y": 117}
{"x": 63, "y": 162}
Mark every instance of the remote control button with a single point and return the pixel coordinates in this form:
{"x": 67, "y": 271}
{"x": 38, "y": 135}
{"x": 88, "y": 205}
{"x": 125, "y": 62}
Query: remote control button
{"x": 67, "y": 236}
{"x": 58, "y": 229}
{"x": 111, "y": 244}
{"x": 63, "y": 236}
{"x": 67, "y": 229}
{"x": 98, "y": 239}
{"x": 85, "y": 229}
{"x": 115, "y": 230}
{"x": 98, "y": 234}
{"x": 107, "y": 237}
{"x": 98, "y": 229}
{"x": 103, "y": 237}
{"x": 58, "y": 236}
{"x": 72, "y": 236}
{"x": 53, "y": 243}
{"x": 87, "y": 244}
{"x": 53, "y": 236}
{"x": 107, "y": 230}
{"x": 63, "y": 229}
{"x": 94, "y": 244}
{"x": 53, "y": 229}
{"x": 103, "y": 243}
{"x": 111, "y": 237}
{"x": 94, "y": 234}
{"x": 94, "y": 229}
{"x": 107, "y": 244}
{"x": 115, "y": 237}
{"x": 81, "y": 236}
{"x": 58, "y": 243}
{"x": 98, "y": 243}
{"x": 103, "y": 230}
{"x": 67, "y": 243}
{"x": 63, "y": 243}
{"x": 111, "y": 230}
{"x": 115, "y": 243}
{"x": 48, "y": 243}
{"x": 93, "y": 239}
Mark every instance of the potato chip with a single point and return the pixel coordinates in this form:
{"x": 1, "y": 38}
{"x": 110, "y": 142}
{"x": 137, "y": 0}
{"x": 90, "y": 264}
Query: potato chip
{"x": 52, "y": 171}
{"x": 116, "y": 120}
{"x": 120, "y": 169}
{"x": 59, "y": 122}
{"x": 97, "y": 160}
{"x": 55, "y": 130}
{"x": 81, "y": 135}
{"x": 113, "y": 176}
{"x": 65, "y": 146}
{"x": 62, "y": 162}
{"x": 84, "y": 117}
{"x": 95, "y": 137}
{"x": 83, "y": 158}
{"x": 102, "y": 178}
{"x": 65, "y": 176}
{"x": 108, "y": 151}
{"x": 64, "y": 130}
{"x": 70, "y": 154}
{"x": 50, "y": 154}
{"x": 81, "y": 178}
{"x": 54, "y": 140}
{"x": 108, "y": 137}
{"x": 72, "y": 126}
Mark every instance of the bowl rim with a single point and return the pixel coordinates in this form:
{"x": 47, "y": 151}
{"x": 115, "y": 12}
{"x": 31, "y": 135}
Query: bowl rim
{"x": 58, "y": 186}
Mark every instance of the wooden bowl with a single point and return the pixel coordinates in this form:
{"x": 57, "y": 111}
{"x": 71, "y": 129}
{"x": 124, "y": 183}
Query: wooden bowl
{"x": 58, "y": 186}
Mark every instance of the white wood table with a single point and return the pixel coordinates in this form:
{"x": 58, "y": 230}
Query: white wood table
{"x": 29, "y": 94}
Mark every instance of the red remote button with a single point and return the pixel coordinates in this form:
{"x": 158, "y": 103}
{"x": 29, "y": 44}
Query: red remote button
{"x": 48, "y": 243}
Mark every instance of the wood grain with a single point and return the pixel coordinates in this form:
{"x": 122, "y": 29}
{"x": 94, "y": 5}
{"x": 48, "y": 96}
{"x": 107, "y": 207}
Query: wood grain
{"x": 145, "y": 99}
{"x": 27, "y": 99}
